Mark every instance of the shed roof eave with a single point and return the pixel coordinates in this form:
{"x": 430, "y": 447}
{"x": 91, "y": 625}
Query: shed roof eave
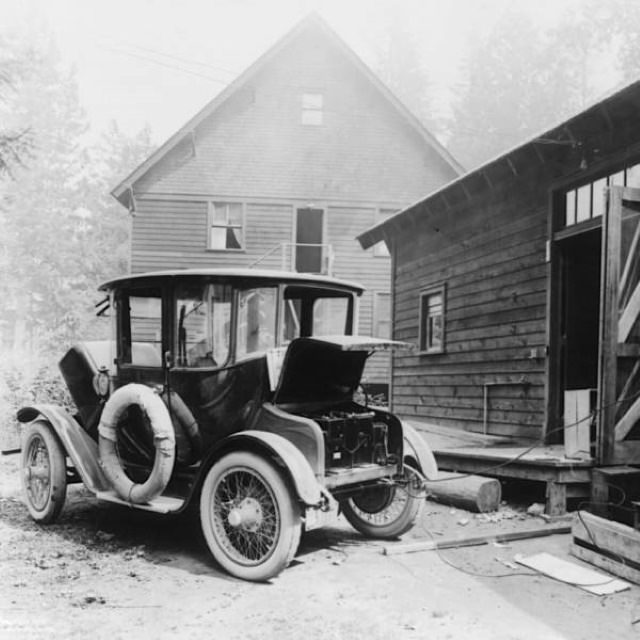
{"x": 377, "y": 233}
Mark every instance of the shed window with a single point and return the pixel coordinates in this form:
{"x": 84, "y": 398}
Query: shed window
{"x": 586, "y": 202}
{"x": 312, "y": 109}
{"x": 226, "y": 226}
{"x": 432, "y": 310}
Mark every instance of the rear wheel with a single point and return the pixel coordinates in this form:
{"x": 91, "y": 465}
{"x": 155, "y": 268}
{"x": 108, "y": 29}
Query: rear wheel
{"x": 249, "y": 517}
{"x": 386, "y": 511}
{"x": 44, "y": 473}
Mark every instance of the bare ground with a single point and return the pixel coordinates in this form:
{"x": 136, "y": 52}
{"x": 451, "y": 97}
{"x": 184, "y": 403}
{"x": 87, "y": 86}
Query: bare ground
{"x": 104, "y": 571}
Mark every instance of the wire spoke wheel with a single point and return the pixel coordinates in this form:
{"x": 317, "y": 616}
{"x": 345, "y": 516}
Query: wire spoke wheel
{"x": 385, "y": 511}
{"x": 44, "y": 479}
{"x": 249, "y": 518}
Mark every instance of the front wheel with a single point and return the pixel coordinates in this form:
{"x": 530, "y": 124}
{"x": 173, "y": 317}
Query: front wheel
{"x": 249, "y": 517}
{"x": 387, "y": 511}
{"x": 44, "y": 473}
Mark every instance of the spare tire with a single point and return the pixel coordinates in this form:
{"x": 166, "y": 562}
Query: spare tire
{"x": 163, "y": 439}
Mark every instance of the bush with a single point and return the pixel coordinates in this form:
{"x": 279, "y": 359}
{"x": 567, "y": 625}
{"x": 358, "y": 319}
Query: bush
{"x": 27, "y": 380}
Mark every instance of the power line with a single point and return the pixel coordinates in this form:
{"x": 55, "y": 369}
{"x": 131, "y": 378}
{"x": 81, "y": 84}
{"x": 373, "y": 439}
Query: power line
{"x": 166, "y": 65}
{"x": 180, "y": 59}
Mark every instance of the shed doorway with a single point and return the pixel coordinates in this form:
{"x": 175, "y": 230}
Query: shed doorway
{"x": 580, "y": 310}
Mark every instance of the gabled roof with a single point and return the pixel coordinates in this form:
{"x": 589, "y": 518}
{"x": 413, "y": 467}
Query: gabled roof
{"x": 312, "y": 21}
{"x": 605, "y": 114}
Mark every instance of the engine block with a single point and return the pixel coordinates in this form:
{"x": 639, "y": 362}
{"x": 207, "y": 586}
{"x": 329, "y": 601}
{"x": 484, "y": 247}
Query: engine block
{"x": 353, "y": 438}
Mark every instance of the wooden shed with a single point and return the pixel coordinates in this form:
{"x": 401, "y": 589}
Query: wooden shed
{"x": 519, "y": 284}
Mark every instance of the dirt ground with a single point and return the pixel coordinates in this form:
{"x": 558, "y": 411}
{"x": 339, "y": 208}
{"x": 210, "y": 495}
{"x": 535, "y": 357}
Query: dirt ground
{"x": 105, "y": 571}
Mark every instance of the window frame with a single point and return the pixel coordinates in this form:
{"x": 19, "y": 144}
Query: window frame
{"x": 124, "y": 338}
{"x": 211, "y": 205}
{"x": 423, "y": 336}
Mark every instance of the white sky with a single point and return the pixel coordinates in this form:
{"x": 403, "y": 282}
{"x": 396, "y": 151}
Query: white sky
{"x": 161, "y": 61}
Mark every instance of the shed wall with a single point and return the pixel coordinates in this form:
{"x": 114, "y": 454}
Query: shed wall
{"x": 492, "y": 260}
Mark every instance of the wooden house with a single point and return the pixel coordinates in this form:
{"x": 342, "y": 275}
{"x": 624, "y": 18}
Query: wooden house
{"x": 284, "y": 168}
{"x": 519, "y": 282}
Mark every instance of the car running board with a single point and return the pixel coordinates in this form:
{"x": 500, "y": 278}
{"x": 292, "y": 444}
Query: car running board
{"x": 161, "y": 504}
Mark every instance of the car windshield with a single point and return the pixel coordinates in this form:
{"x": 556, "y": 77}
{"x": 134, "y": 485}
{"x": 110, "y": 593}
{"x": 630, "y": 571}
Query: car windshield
{"x": 310, "y": 312}
{"x": 204, "y": 324}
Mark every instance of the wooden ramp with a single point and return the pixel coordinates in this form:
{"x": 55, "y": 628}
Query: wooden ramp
{"x": 501, "y": 457}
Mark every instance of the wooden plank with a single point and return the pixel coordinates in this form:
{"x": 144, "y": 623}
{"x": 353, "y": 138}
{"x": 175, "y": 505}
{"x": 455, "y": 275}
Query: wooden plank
{"x": 629, "y": 315}
{"x": 608, "y": 330}
{"x": 611, "y": 565}
{"x": 453, "y": 543}
{"x": 608, "y": 536}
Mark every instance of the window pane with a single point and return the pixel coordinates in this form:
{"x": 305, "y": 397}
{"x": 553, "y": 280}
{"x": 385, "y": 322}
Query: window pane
{"x": 583, "y": 203}
{"x": 312, "y": 100}
{"x": 203, "y": 325}
{"x": 633, "y": 176}
{"x": 617, "y": 179}
{"x": 330, "y": 316}
{"x": 570, "y": 204}
{"x": 311, "y": 116}
{"x": 235, "y": 214}
{"x": 220, "y": 304}
{"x": 218, "y": 238}
{"x": 219, "y": 213}
{"x": 145, "y": 312}
{"x": 234, "y": 239}
{"x": 256, "y": 321}
{"x": 432, "y": 318}
{"x": 598, "y": 196}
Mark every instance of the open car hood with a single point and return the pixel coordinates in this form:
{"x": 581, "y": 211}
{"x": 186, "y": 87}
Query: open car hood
{"x": 326, "y": 369}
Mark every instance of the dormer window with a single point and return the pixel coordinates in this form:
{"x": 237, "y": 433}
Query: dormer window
{"x": 312, "y": 105}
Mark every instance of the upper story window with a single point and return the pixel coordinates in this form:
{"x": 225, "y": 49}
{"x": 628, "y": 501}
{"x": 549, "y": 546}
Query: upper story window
{"x": 312, "y": 109}
{"x": 432, "y": 313}
{"x": 226, "y": 226}
{"x": 380, "y": 249}
{"x": 586, "y": 202}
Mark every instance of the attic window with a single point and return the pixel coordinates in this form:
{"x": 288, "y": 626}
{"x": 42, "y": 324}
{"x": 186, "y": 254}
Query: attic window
{"x": 312, "y": 105}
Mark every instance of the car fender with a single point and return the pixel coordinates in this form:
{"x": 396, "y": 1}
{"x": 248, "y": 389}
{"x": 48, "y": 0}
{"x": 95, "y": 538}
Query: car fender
{"x": 298, "y": 470}
{"x": 416, "y": 446}
{"x": 79, "y": 446}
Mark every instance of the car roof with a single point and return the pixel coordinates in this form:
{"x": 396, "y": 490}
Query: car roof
{"x": 243, "y": 275}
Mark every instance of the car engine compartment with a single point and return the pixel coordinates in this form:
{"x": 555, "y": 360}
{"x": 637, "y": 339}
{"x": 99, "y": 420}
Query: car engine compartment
{"x": 356, "y": 436}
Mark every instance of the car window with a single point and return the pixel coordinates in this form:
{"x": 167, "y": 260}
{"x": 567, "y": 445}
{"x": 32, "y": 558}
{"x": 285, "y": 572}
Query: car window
{"x": 256, "y": 320}
{"x": 330, "y": 316}
{"x": 313, "y": 312}
{"x": 203, "y": 325}
{"x": 141, "y": 330}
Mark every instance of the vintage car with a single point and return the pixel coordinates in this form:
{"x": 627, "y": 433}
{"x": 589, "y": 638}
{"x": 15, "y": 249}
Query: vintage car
{"x": 234, "y": 389}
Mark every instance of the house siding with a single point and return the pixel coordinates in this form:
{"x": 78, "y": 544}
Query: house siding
{"x": 493, "y": 265}
{"x": 253, "y": 149}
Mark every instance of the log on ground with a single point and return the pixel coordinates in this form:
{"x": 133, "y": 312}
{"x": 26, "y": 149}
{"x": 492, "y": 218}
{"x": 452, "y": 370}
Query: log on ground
{"x": 473, "y": 493}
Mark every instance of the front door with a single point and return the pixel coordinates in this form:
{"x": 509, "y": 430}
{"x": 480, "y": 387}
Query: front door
{"x": 309, "y": 236}
{"x": 619, "y": 357}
